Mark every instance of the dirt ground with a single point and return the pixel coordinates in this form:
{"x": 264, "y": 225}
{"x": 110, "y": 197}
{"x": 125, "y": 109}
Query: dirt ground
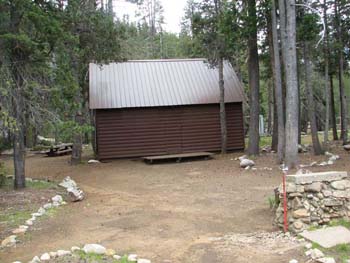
{"x": 173, "y": 212}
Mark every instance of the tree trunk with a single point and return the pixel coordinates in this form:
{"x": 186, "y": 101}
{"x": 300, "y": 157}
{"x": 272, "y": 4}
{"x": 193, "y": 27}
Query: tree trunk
{"x": 277, "y": 76}
{"x": 333, "y": 116}
{"x": 77, "y": 141}
{"x": 326, "y": 73}
{"x": 222, "y": 106}
{"x": 342, "y": 94}
{"x": 19, "y": 150}
{"x": 270, "y": 107}
{"x": 292, "y": 97}
{"x": 310, "y": 98}
{"x": 253, "y": 73}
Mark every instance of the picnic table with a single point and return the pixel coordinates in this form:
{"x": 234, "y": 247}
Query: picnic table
{"x": 61, "y": 149}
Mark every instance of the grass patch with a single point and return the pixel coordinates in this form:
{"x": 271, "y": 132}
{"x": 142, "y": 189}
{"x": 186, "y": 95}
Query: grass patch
{"x": 7, "y": 184}
{"x": 92, "y": 257}
{"x": 273, "y": 203}
{"x": 15, "y": 218}
{"x": 340, "y": 222}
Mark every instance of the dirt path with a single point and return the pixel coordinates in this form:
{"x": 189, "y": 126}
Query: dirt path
{"x": 183, "y": 212}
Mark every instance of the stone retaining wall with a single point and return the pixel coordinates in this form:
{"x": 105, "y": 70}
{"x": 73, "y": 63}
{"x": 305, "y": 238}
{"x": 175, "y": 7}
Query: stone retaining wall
{"x": 314, "y": 199}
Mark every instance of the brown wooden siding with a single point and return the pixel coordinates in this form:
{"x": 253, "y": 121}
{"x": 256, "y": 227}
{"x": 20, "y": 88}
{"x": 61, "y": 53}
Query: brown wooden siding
{"x": 135, "y": 132}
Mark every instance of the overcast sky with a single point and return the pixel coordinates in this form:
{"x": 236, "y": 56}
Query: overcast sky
{"x": 173, "y": 11}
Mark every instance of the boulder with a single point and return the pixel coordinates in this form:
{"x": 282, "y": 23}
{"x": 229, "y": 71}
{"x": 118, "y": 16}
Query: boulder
{"x": 93, "y": 161}
{"x": 61, "y": 253}
{"x": 117, "y": 257}
{"x": 143, "y": 260}
{"x": 340, "y": 185}
{"x": 75, "y": 194}
{"x": 47, "y": 206}
{"x": 293, "y": 261}
{"x": 316, "y": 253}
{"x": 74, "y": 248}
{"x": 326, "y": 260}
{"x": 314, "y": 187}
{"x": 9, "y": 241}
{"x": 57, "y": 199}
{"x": 300, "y": 213}
{"x": 347, "y": 147}
{"x": 35, "y": 259}
{"x": 110, "y": 252}
{"x": 132, "y": 258}
{"x": 94, "y": 248}
{"x": 45, "y": 257}
{"x": 68, "y": 183}
{"x": 246, "y": 163}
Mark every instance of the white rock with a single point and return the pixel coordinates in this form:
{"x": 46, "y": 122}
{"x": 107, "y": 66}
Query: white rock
{"x": 41, "y": 211}
{"x": 143, "y": 260}
{"x": 75, "y": 194}
{"x": 330, "y": 162}
{"x": 45, "y": 257}
{"x": 246, "y": 162}
{"x": 61, "y": 253}
{"x": 16, "y": 262}
{"x": 47, "y": 206}
{"x": 93, "y": 161}
{"x": 19, "y": 231}
{"x": 117, "y": 257}
{"x": 55, "y": 204}
{"x": 57, "y": 199}
{"x": 94, "y": 248}
{"x": 53, "y": 254}
{"x": 326, "y": 260}
{"x": 308, "y": 245}
{"x": 23, "y": 226}
{"x": 293, "y": 261}
{"x": 316, "y": 253}
{"x": 29, "y": 222}
{"x": 242, "y": 157}
{"x": 34, "y": 215}
{"x": 75, "y": 248}
{"x": 323, "y": 164}
{"x": 68, "y": 183}
{"x": 35, "y": 259}
{"x": 132, "y": 257}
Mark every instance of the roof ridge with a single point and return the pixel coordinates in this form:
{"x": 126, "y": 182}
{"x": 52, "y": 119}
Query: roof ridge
{"x": 167, "y": 60}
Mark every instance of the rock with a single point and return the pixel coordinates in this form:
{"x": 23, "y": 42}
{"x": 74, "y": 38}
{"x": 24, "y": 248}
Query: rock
{"x": 75, "y": 194}
{"x": 9, "y": 241}
{"x": 242, "y": 157}
{"x": 117, "y": 257}
{"x": 298, "y": 225}
{"x": 19, "y": 231}
{"x": 308, "y": 245}
{"x": 341, "y": 194}
{"x": 246, "y": 163}
{"x": 293, "y": 261}
{"x": 132, "y": 257}
{"x": 41, "y": 211}
{"x": 341, "y": 185}
{"x": 47, "y": 206}
{"x": 346, "y": 147}
{"x": 314, "y": 187}
{"x": 323, "y": 164}
{"x": 327, "y": 193}
{"x": 45, "y": 257}
{"x": 16, "y": 262}
{"x": 53, "y": 254}
{"x": 94, "y": 248}
{"x": 34, "y": 215}
{"x": 35, "y": 259}
{"x": 93, "y": 161}
{"x": 325, "y": 260}
{"x": 333, "y": 158}
{"x": 300, "y": 213}
{"x": 29, "y": 222}
{"x": 61, "y": 253}
{"x": 143, "y": 260}
{"x": 74, "y": 248}
{"x": 68, "y": 183}
{"x": 296, "y": 203}
{"x": 316, "y": 253}
{"x": 57, "y": 199}
{"x": 110, "y": 252}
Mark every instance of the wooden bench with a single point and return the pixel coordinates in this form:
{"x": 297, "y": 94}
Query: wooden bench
{"x": 177, "y": 157}
{"x": 61, "y": 149}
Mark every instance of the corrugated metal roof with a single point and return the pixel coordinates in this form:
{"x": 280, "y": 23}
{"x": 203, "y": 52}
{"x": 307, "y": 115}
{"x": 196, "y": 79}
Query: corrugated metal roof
{"x": 168, "y": 82}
